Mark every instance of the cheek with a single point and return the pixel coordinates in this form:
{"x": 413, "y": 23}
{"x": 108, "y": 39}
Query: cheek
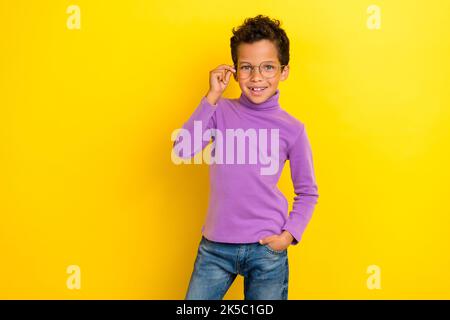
{"x": 271, "y": 83}
{"x": 242, "y": 84}
{"x": 274, "y": 82}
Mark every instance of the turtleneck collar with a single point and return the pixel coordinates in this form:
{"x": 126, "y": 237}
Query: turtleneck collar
{"x": 269, "y": 104}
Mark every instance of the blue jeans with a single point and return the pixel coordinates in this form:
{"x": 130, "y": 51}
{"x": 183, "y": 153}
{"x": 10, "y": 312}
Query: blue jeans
{"x": 265, "y": 271}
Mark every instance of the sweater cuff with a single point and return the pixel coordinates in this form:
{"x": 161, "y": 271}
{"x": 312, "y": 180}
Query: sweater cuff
{"x": 206, "y": 103}
{"x": 295, "y": 234}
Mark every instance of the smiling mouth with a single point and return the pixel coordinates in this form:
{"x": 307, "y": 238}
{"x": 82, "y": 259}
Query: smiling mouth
{"x": 257, "y": 89}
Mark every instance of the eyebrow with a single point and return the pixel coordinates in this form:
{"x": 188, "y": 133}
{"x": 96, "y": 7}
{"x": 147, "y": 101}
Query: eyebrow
{"x": 263, "y": 61}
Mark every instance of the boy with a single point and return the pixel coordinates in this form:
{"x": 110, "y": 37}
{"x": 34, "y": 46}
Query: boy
{"x": 247, "y": 230}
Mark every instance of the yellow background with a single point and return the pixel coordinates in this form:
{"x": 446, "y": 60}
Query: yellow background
{"x": 86, "y": 176}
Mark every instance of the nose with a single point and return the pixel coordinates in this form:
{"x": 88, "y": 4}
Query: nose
{"x": 256, "y": 74}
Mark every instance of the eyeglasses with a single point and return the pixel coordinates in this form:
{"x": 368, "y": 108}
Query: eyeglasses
{"x": 266, "y": 69}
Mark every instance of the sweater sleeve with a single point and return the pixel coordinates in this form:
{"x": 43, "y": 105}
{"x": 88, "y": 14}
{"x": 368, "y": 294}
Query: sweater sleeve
{"x": 305, "y": 187}
{"x": 202, "y": 119}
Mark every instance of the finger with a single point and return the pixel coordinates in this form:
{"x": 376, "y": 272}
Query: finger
{"x": 227, "y": 67}
{"x": 218, "y": 76}
{"x": 222, "y": 71}
{"x": 228, "y": 76}
{"x": 223, "y": 75}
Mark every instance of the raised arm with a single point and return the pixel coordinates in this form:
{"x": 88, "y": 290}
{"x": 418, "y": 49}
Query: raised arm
{"x": 189, "y": 139}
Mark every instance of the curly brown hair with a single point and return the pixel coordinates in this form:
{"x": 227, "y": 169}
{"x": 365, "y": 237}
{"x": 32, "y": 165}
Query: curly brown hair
{"x": 259, "y": 28}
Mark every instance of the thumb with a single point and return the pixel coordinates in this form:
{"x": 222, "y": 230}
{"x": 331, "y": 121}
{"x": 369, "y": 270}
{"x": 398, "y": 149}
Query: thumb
{"x": 267, "y": 239}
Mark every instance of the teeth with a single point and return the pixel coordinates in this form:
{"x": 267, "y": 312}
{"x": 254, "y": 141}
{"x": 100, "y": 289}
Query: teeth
{"x": 257, "y": 89}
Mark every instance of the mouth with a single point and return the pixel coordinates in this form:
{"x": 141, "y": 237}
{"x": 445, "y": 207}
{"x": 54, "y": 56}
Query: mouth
{"x": 257, "y": 91}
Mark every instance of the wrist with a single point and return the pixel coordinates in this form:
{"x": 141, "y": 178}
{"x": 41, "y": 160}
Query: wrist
{"x": 288, "y": 236}
{"x": 212, "y": 97}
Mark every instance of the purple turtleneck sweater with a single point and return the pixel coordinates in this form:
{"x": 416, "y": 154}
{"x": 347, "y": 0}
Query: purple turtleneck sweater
{"x": 245, "y": 204}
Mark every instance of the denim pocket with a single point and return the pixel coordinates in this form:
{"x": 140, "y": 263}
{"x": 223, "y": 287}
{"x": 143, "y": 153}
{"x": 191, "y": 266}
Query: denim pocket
{"x": 273, "y": 251}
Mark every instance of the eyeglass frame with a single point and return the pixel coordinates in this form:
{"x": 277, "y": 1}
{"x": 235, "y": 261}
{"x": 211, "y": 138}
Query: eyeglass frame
{"x": 259, "y": 69}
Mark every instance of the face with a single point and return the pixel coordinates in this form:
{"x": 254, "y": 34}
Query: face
{"x": 254, "y": 54}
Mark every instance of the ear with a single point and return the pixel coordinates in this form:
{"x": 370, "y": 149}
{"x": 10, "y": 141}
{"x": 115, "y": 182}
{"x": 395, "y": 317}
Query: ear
{"x": 284, "y": 73}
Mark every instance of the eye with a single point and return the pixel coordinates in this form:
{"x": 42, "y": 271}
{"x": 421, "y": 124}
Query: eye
{"x": 245, "y": 67}
{"x": 269, "y": 67}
